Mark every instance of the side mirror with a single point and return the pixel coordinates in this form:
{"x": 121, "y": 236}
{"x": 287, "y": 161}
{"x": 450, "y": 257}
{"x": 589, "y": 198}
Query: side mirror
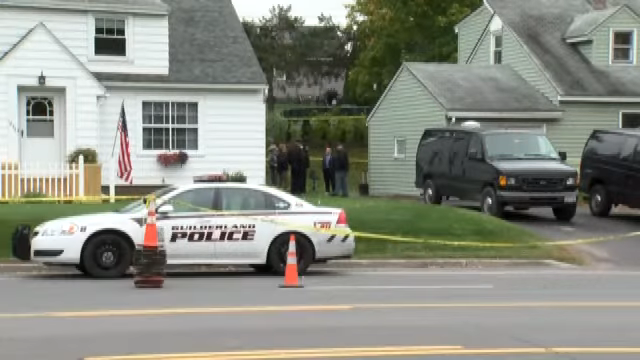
{"x": 165, "y": 209}
{"x": 563, "y": 155}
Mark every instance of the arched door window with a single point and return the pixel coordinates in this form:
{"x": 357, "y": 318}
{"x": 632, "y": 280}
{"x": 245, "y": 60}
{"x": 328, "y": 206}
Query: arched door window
{"x": 40, "y": 117}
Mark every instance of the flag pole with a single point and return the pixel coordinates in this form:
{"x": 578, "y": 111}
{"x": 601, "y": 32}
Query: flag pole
{"x": 115, "y": 138}
{"x": 112, "y": 172}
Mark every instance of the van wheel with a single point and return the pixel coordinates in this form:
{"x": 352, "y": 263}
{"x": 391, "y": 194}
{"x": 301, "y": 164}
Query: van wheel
{"x": 431, "y": 194}
{"x": 565, "y": 213}
{"x": 490, "y": 204}
{"x": 599, "y": 201}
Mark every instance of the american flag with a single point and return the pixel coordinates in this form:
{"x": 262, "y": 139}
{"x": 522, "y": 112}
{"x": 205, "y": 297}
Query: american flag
{"x": 124, "y": 159}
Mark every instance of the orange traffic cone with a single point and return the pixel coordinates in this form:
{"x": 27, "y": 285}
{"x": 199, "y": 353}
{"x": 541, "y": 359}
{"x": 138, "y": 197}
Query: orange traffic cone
{"x": 291, "y": 271}
{"x": 150, "y": 259}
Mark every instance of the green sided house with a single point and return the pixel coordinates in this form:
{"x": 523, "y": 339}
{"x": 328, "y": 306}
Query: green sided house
{"x": 559, "y": 67}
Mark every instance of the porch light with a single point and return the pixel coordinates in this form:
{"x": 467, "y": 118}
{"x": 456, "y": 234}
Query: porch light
{"x": 42, "y": 80}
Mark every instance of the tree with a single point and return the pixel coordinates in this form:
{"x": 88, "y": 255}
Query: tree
{"x": 389, "y": 32}
{"x": 273, "y": 40}
{"x": 326, "y": 49}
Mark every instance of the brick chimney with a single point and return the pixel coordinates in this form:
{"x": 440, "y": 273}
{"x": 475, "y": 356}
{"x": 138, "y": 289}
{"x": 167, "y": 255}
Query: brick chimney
{"x": 599, "y": 4}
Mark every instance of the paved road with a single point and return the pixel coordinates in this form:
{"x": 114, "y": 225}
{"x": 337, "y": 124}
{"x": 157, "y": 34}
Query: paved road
{"x": 623, "y": 252}
{"x": 69, "y": 317}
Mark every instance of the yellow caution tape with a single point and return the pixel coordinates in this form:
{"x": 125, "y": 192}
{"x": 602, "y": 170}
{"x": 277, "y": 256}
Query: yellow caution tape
{"x": 334, "y": 231}
{"x": 344, "y": 232}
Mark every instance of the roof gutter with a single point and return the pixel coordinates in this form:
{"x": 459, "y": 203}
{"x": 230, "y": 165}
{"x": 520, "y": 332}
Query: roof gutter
{"x": 506, "y": 114}
{"x": 185, "y": 86}
{"x": 600, "y": 99}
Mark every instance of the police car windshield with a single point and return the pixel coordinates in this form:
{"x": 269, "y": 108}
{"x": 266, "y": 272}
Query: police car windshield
{"x": 519, "y": 146}
{"x": 139, "y": 205}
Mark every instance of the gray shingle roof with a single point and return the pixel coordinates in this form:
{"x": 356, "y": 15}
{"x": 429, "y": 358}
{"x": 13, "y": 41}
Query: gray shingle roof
{"x": 541, "y": 25}
{"x": 207, "y": 45}
{"x": 480, "y": 88}
{"x": 583, "y": 24}
{"x": 142, "y": 6}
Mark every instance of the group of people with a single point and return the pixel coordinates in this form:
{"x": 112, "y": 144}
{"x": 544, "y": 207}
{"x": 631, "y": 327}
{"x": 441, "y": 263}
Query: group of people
{"x": 294, "y": 158}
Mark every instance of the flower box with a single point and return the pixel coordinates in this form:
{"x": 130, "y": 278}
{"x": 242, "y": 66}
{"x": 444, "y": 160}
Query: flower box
{"x": 168, "y": 159}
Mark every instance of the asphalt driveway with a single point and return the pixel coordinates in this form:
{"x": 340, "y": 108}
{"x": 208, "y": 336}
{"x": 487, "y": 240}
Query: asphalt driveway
{"x": 623, "y": 252}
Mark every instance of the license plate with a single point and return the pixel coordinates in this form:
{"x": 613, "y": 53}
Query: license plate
{"x": 570, "y": 199}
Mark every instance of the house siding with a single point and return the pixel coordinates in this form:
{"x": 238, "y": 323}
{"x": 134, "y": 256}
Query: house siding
{"x": 406, "y": 110}
{"x": 149, "y": 47}
{"x": 515, "y": 55}
{"x": 39, "y": 52}
{"x": 469, "y": 32}
{"x": 5, "y": 120}
{"x": 231, "y": 135}
{"x": 586, "y": 48}
{"x": 602, "y": 35}
{"x": 579, "y": 120}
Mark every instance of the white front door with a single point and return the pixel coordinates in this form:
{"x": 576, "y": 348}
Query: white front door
{"x": 42, "y": 117}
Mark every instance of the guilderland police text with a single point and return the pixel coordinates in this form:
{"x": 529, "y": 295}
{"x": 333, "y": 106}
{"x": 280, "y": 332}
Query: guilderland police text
{"x": 199, "y": 233}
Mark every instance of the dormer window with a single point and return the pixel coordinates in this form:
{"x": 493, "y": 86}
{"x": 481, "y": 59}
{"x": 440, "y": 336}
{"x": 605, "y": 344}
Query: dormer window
{"x": 496, "y": 40}
{"x": 495, "y": 29}
{"x": 623, "y": 46}
{"x": 110, "y": 38}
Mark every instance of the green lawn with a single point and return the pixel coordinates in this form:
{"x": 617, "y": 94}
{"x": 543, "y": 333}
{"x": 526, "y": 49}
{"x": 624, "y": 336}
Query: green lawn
{"x": 371, "y": 215}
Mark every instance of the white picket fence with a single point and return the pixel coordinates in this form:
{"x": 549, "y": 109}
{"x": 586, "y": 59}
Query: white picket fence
{"x": 61, "y": 180}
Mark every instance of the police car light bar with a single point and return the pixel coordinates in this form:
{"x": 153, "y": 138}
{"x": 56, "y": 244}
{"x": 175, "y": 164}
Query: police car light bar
{"x": 210, "y": 178}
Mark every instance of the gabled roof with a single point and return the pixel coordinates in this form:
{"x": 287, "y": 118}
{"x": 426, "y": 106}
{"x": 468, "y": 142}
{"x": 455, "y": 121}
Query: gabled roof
{"x": 583, "y": 24}
{"x": 541, "y": 26}
{"x": 129, "y": 6}
{"x": 480, "y": 88}
{"x": 57, "y": 41}
{"x": 207, "y": 45}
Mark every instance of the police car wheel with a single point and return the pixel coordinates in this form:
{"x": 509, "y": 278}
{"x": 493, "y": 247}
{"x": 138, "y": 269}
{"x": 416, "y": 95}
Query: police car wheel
{"x": 277, "y": 257}
{"x": 107, "y": 256}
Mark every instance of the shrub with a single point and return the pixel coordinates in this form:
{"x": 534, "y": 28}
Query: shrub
{"x": 90, "y": 156}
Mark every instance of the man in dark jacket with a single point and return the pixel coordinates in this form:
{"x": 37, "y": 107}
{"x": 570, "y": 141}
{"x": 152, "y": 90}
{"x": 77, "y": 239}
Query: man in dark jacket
{"x": 305, "y": 167}
{"x": 328, "y": 171}
{"x": 341, "y": 168}
{"x": 296, "y": 162}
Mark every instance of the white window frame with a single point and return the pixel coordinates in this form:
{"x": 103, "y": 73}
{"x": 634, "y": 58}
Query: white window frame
{"x": 279, "y": 75}
{"x": 396, "y": 154}
{"x": 496, "y": 29}
{"x": 494, "y": 49}
{"x": 634, "y": 47}
{"x": 128, "y": 34}
{"x": 200, "y": 152}
{"x": 622, "y": 112}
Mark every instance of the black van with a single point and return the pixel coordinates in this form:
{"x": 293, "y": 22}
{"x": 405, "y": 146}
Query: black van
{"x": 610, "y": 170}
{"x": 497, "y": 168}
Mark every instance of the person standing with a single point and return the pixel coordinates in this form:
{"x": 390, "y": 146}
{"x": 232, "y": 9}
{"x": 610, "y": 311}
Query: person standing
{"x": 341, "y": 168}
{"x": 327, "y": 171}
{"x": 272, "y": 159}
{"x": 283, "y": 166}
{"x": 295, "y": 162}
{"x": 305, "y": 168}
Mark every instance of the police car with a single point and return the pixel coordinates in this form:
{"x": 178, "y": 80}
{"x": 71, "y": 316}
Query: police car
{"x": 200, "y": 223}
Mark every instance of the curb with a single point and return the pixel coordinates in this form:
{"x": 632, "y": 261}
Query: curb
{"x": 18, "y": 267}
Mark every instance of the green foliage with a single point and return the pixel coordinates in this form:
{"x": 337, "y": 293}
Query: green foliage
{"x": 34, "y": 195}
{"x": 237, "y": 176}
{"x": 325, "y": 129}
{"x": 284, "y": 44}
{"x": 390, "y": 32}
{"x": 90, "y": 156}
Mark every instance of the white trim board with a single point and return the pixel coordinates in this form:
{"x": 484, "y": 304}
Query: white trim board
{"x": 506, "y": 115}
{"x": 152, "y": 85}
{"x": 600, "y": 99}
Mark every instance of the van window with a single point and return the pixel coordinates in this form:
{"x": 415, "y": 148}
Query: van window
{"x": 628, "y": 148}
{"x": 519, "y": 146}
{"x": 604, "y": 145}
{"x": 475, "y": 145}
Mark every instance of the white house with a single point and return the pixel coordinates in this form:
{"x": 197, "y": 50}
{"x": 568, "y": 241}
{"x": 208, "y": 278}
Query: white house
{"x": 185, "y": 70}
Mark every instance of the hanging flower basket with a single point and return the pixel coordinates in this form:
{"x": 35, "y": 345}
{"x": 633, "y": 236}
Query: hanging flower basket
{"x": 168, "y": 159}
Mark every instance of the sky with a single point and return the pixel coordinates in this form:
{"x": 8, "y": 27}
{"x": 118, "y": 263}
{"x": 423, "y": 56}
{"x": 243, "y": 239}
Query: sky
{"x": 308, "y": 9}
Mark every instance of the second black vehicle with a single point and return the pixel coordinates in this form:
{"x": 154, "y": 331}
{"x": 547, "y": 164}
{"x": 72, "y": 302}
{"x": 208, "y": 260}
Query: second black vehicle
{"x": 497, "y": 168}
